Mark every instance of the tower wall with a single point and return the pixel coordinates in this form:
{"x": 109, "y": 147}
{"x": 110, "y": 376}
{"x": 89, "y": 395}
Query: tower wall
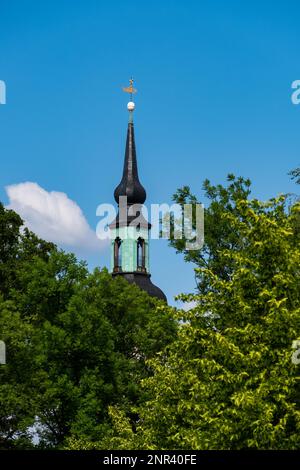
{"x": 129, "y": 237}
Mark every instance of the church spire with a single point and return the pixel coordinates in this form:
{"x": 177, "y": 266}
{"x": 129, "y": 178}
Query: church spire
{"x": 130, "y": 242}
{"x": 130, "y": 185}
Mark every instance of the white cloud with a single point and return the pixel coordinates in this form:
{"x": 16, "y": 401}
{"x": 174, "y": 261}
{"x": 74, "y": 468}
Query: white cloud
{"x": 52, "y": 216}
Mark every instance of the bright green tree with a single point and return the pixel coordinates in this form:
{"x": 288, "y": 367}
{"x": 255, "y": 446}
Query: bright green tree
{"x": 218, "y": 233}
{"x": 228, "y": 381}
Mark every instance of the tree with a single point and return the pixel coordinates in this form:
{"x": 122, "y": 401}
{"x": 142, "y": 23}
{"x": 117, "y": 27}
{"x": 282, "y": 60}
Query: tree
{"x": 18, "y": 379}
{"x": 17, "y": 246}
{"x": 228, "y": 381}
{"x": 10, "y": 224}
{"x": 94, "y": 357}
{"x": 295, "y": 174}
{"x": 218, "y": 233}
{"x": 77, "y": 342}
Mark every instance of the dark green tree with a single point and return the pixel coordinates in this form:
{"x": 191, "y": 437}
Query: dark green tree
{"x": 295, "y": 174}
{"x": 77, "y": 342}
{"x": 95, "y": 356}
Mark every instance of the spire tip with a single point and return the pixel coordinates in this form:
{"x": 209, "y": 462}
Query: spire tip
{"x": 131, "y": 106}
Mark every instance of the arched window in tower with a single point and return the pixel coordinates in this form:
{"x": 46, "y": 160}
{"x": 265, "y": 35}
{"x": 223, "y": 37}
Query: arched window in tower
{"x": 118, "y": 255}
{"x": 141, "y": 255}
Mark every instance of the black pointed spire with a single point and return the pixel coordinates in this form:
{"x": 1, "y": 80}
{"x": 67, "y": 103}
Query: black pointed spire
{"x": 132, "y": 261}
{"x": 130, "y": 185}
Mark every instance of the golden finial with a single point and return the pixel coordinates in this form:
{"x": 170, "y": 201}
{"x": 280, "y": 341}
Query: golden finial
{"x": 130, "y": 89}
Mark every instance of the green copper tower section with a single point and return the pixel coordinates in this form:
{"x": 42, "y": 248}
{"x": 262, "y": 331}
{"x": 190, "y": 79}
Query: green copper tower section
{"x": 130, "y": 232}
{"x": 130, "y": 244}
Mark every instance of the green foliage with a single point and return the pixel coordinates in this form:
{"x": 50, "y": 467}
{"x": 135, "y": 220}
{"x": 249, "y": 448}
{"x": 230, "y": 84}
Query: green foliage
{"x": 228, "y": 381}
{"x": 295, "y": 174}
{"x": 17, "y": 387}
{"x": 76, "y": 342}
{"x": 97, "y": 349}
{"x": 93, "y": 362}
{"x": 17, "y": 246}
{"x": 218, "y": 233}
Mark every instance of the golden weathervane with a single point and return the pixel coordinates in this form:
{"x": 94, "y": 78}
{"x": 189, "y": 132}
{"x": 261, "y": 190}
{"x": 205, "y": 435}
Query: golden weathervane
{"x": 130, "y": 89}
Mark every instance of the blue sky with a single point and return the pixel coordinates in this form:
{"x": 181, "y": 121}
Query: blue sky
{"x": 214, "y": 97}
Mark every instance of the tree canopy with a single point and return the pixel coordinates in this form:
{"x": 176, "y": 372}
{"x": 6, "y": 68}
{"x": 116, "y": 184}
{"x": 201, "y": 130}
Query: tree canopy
{"x": 76, "y": 342}
{"x": 228, "y": 381}
{"x": 94, "y": 362}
